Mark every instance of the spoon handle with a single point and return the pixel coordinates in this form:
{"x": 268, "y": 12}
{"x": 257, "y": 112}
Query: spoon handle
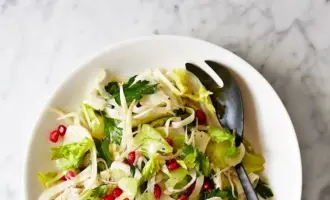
{"x": 245, "y": 181}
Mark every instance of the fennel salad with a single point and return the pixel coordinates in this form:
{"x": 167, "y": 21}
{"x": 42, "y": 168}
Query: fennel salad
{"x": 152, "y": 136}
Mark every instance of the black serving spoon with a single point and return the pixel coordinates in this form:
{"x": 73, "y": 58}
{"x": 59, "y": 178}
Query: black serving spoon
{"x": 230, "y": 112}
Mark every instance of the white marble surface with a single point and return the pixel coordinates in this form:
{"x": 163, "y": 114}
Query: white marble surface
{"x": 42, "y": 41}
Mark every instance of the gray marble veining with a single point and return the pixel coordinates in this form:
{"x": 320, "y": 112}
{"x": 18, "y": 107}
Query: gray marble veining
{"x": 288, "y": 41}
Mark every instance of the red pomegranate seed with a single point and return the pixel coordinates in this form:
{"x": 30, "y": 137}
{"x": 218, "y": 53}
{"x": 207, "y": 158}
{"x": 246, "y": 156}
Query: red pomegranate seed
{"x": 131, "y": 157}
{"x": 157, "y": 191}
{"x": 126, "y": 199}
{"x": 206, "y": 186}
{"x": 170, "y": 161}
{"x": 173, "y": 166}
{"x": 117, "y": 192}
{"x": 53, "y": 136}
{"x": 61, "y": 129}
{"x": 169, "y": 141}
{"x": 201, "y": 117}
{"x": 70, "y": 174}
{"x": 63, "y": 178}
{"x": 182, "y": 197}
{"x": 109, "y": 197}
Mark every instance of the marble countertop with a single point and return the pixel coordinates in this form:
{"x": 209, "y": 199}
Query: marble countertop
{"x": 288, "y": 41}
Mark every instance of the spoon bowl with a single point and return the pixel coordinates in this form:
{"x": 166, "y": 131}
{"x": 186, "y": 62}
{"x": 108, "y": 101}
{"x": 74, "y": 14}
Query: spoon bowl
{"x": 228, "y": 99}
{"x": 228, "y": 103}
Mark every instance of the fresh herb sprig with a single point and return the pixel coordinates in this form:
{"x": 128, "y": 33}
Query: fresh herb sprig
{"x": 133, "y": 90}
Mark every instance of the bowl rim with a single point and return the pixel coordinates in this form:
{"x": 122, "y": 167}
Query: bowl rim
{"x": 104, "y": 50}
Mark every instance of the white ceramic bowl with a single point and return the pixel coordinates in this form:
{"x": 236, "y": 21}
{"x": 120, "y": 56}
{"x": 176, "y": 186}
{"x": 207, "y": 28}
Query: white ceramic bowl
{"x": 267, "y": 123}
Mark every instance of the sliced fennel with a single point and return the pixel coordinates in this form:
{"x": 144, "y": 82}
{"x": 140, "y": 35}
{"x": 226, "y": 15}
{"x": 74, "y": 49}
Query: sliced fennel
{"x": 96, "y": 101}
{"x": 129, "y": 186}
{"x": 217, "y": 154}
{"x": 117, "y": 165}
{"x": 186, "y": 121}
{"x": 201, "y": 140}
{"x": 56, "y": 189}
{"x": 151, "y": 141}
{"x": 198, "y": 187}
{"x": 193, "y": 176}
{"x": 94, "y": 120}
{"x": 150, "y": 115}
{"x": 175, "y": 177}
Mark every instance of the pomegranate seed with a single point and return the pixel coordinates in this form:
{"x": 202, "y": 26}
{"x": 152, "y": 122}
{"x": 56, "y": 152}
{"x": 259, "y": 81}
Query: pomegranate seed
{"x": 117, "y": 192}
{"x": 61, "y": 129}
{"x": 169, "y": 141}
{"x": 63, "y": 178}
{"x": 157, "y": 191}
{"x": 126, "y": 199}
{"x": 131, "y": 157}
{"x": 54, "y": 135}
{"x": 109, "y": 197}
{"x": 70, "y": 174}
{"x": 201, "y": 117}
{"x": 173, "y": 166}
{"x": 182, "y": 197}
{"x": 206, "y": 186}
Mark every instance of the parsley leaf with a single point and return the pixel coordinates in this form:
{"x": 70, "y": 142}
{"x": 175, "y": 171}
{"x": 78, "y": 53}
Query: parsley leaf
{"x": 103, "y": 150}
{"x": 263, "y": 190}
{"x": 101, "y": 191}
{"x": 187, "y": 149}
{"x": 112, "y": 131}
{"x": 137, "y": 91}
{"x": 112, "y": 88}
{"x": 129, "y": 82}
{"x": 189, "y": 155}
{"x": 195, "y": 159}
{"x": 203, "y": 164}
{"x": 132, "y": 91}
